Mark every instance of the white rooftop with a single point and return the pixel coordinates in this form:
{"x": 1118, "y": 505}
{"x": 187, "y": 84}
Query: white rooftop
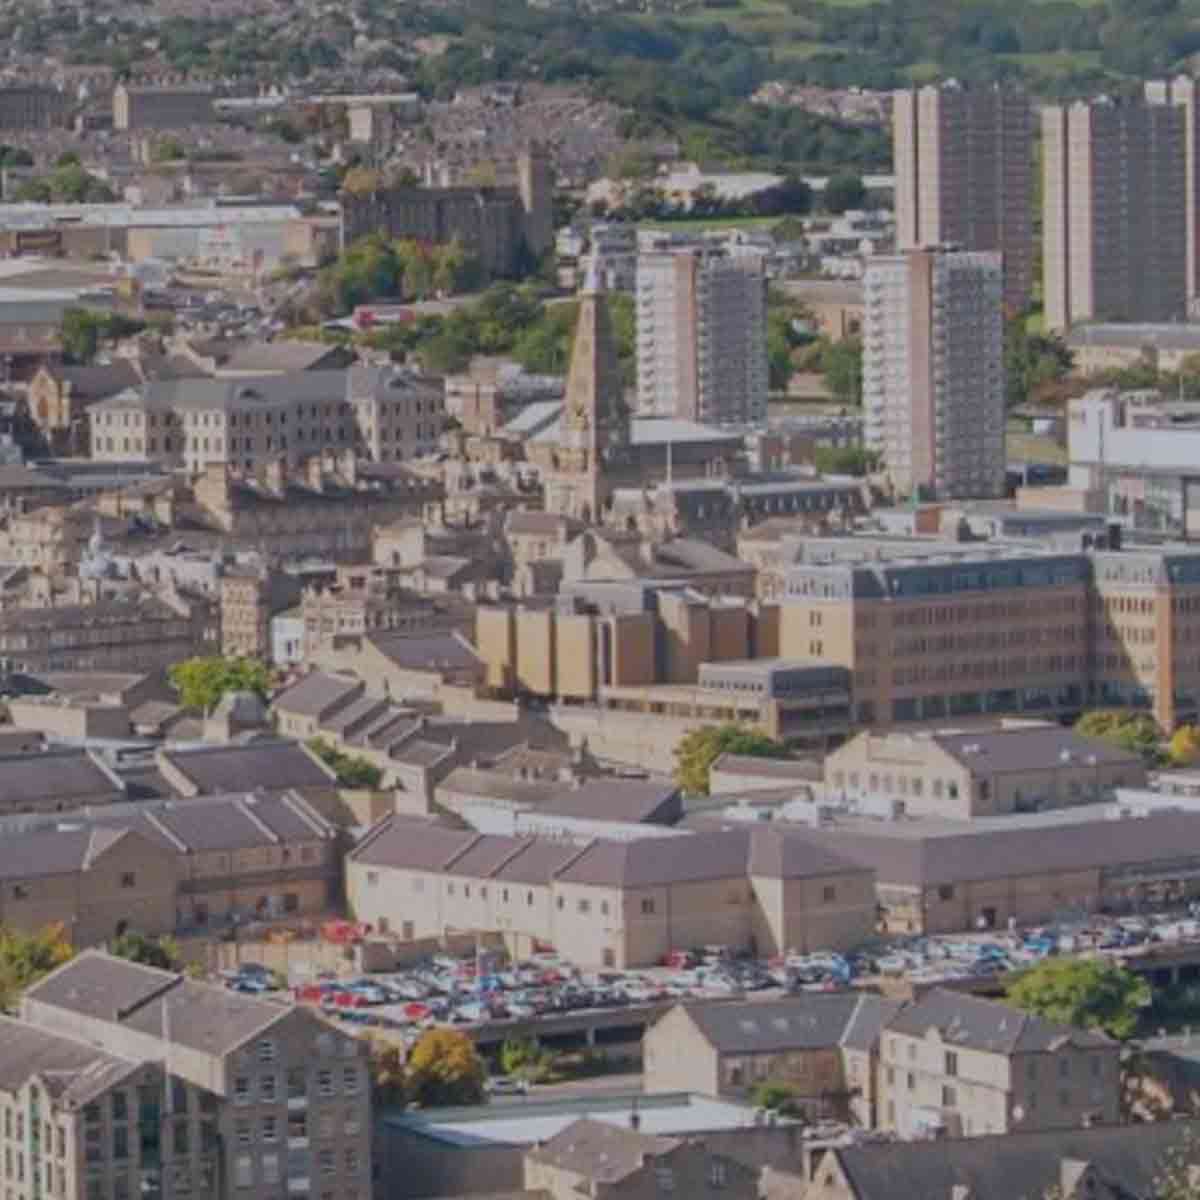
{"x": 523, "y": 1122}
{"x": 38, "y": 216}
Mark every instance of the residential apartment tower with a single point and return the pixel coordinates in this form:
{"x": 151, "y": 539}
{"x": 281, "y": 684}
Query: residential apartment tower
{"x": 964, "y": 175}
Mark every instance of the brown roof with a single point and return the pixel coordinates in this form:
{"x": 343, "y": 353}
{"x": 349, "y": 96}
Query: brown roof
{"x": 26, "y": 1050}
{"x": 68, "y": 777}
{"x": 271, "y": 765}
{"x": 637, "y": 801}
{"x": 316, "y": 694}
{"x": 408, "y": 843}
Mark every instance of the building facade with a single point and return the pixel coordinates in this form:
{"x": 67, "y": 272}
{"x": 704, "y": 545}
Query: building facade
{"x": 136, "y": 107}
{"x": 1115, "y": 212}
{"x": 964, "y": 175}
{"x": 933, "y": 372}
{"x": 1181, "y": 92}
{"x": 284, "y": 1105}
{"x": 701, "y": 336}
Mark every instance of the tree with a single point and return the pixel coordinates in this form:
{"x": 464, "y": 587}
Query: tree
{"x": 445, "y": 1068}
{"x": 699, "y": 749}
{"x": 845, "y": 460}
{"x": 1184, "y": 748}
{"x": 842, "y": 366}
{"x": 1032, "y": 361}
{"x": 352, "y": 770}
{"x": 202, "y": 681}
{"x": 360, "y": 181}
{"x": 26, "y": 957}
{"x": 389, "y": 1085}
{"x": 1127, "y": 728}
{"x": 162, "y": 952}
{"x": 518, "y": 1054}
{"x": 167, "y": 149}
{"x": 777, "y": 1097}
{"x": 1088, "y": 993}
{"x": 843, "y": 192}
{"x": 80, "y": 335}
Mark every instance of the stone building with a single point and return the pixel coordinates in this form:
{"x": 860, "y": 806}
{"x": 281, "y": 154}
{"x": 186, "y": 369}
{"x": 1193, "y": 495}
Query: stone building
{"x": 262, "y": 1096}
{"x": 139, "y": 107}
{"x": 502, "y": 226}
{"x": 32, "y": 106}
{"x": 608, "y": 903}
{"x": 60, "y": 396}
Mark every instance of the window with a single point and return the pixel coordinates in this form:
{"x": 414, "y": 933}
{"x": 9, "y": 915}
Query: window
{"x": 266, "y": 1050}
{"x": 1064, "y": 1068}
{"x": 297, "y": 1127}
{"x": 179, "y": 1096}
{"x": 120, "y": 1145}
{"x": 325, "y": 1163}
{"x": 269, "y": 1131}
{"x": 949, "y": 1097}
{"x": 243, "y": 1171}
{"x": 243, "y": 1132}
{"x": 717, "y": 1173}
{"x": 325, "y": 1126}
{"x": 128, "y": 879}
{"x": 325, "y": 1083}
{"x": 665, "y": 1178}
{"x": 910, "y": 1081}
{"x": 182, "y": 1137}
{"x": 829, "y": 894}
{"x": 267, "y": 1088}
{"x": 350, "y": 1081}
{"x": 351, "y": 1160}
{"x": 270, "y": 1168}
{"x": 297, "y": 1086}
{"x": 951, "y": 1062}
{"x": 241, "y": 1090}
{"x": 648, "y": 907}
{"x": 585, "y": 906}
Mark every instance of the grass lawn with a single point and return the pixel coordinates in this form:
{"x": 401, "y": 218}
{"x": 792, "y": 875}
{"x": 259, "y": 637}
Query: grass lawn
{"x": 1027, "y": 447}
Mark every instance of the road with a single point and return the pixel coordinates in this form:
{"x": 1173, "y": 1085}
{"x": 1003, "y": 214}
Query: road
{"x": 576, "y": 1089}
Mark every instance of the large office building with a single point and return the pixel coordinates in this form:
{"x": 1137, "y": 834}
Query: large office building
{"x": 701, "y": 336}
{"x": 933, "y": 371}
{"x": 964, "y": 175}
{"x": 1114, "y": 212}
{"x": 932, "y": 630}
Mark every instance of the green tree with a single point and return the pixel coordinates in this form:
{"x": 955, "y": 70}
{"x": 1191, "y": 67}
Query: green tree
{"x": 352, "y": 770}
{"x": 1088, "y": 993}
{"x": 26, "y": 957}
{"x": 80, "y": 335}
{"x": 389, "y": 1084}
{"x": 517, "y": 1055}
{"x": 202, "y": 681}
{"x": 167, "y": 149}
{"x": 445, "y": 1068}
{"x": 845, "y": 460}
{"x": 1032, "y": 361}
{"x": 699, "y": 749}
{"x": 843, "y": 192}
{"x": 1184, "y": 747}
{"x": 1127, "y": 728}
{"x": 777, "y": 1097}
{"x": 161, "y": 952}
{"x": 841, "y": 365}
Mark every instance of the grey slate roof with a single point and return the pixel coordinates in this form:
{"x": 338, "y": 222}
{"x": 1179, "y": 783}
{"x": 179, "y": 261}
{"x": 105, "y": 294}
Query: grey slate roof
{"x": 278, "y": 356}
{"x": 808, "y": 1022}
{"x": 784, "y": 769}
{"x": 652, "y": 862}
{"x": 538, "y": 862}
{"x": 419, "y": 845}
{"x": 1036, "y": 748}
{"x": 978, "y": 1024}
{"x": 908, "y": 857}
{"x": 26, "y": 1050}
{"x": 317, "y": 693}
{"x": 601, "y": 1151}
{"x": 199, "y": 1016}
{"x": 870, "y": 1016}
{"x": 68, "y": 777}
{"x": 53, "y": 851}
{"x": 425, "y": 652}
{"x": 632, "y": 800}
{"x": 264, "y": 764}
{"x": 1015, "y": 1166}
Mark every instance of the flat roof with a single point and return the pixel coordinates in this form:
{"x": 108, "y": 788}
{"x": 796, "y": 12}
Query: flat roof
{"x": 522, "y": 1123}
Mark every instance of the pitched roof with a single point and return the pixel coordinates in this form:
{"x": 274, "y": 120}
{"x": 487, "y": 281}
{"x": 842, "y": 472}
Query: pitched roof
{"x": 783, "y": 854}
{"x": 1029, "y": 748}
{"x": 274, "y": 765}
{"x": 601, "y": 1151}
{"x": 800, "y": 769}
{"x": 200, "y": 1016}
{"x": 652, "y": 862}
{"x": 278, "y": 356}
{"x": 916, "y": 856}
{"x": 426, "y": 651}
{"x": 97, "y": 382}
{"x": 26, "y": 1050}
{"x": 630, "y": 800}
{"x": 401, "y": 842}
{"x": 969, "y": 1021}
{"x": 806, "y": 1022}
{"x": 58, "y": 851}
{"x": 68, "y": 777}
{"x": 1016, "y": 1164}
{"x": 868, "y": 1020}
{"x": 316, "y": 694}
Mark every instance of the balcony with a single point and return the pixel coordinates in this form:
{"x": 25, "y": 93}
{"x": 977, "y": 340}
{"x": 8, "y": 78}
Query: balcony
{"x": 298, "y": 1185}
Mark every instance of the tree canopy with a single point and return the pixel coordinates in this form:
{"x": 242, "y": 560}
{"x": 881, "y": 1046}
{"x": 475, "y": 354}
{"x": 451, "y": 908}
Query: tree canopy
{"x": 1089, "y": 993}
{"x": 161, "y": 952}
{"x": 444, "y": 1068}
{"x": 352, "y": 770}
{"x": 843, "y": 192}
{"x": 699, "y": 749}
{"x": 201, "y": 682}
{"x": 26, "y": 957}
{"x": 1130, "y": 729}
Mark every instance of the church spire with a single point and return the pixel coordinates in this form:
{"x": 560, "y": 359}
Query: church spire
{"x": 594, "y": 414}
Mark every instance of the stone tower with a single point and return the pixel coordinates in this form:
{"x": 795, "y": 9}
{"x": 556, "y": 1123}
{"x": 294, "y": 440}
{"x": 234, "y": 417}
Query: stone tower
{"x": 535, "y": 184}
{"x": 595, "y": 420}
